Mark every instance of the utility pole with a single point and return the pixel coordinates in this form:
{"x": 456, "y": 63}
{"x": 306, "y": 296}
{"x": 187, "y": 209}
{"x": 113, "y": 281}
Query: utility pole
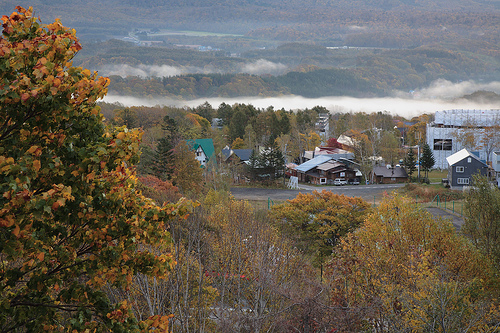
{"x": 417, "y": 136}
{"x": 418, "y": 158}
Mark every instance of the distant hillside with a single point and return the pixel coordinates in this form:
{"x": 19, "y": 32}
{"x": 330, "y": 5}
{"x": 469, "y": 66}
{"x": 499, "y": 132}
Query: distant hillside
{"x": 108, "y": 17}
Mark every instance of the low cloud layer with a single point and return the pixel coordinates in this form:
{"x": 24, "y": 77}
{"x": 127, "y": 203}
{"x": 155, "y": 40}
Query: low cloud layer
{"x": 141, "y": 70}
{"x": 447, "y": 90}
{"x": 441, "y": 95}
{"x": 396, "y": 106}
{"x": 263, "y": 66}
{"x": 258, "y": 67}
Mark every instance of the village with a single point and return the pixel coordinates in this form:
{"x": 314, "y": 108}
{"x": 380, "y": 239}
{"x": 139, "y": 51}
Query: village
{"x": 464, "y": 142}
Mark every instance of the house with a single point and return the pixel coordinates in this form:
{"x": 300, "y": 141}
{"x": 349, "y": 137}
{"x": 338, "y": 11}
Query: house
{"x": 236, "y": 161}
{"x": 236, "y": 156}
{"x": 333, "y": 152}
{"x": 323, "y": 169}
{"x": 461, "y": 166}
{"x": 448, "y": 125}
{"x": 389, "y": 175}
{"x": 203, "y": 149}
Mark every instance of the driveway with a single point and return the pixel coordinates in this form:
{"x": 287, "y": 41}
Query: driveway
{"x": 367, "y": 192}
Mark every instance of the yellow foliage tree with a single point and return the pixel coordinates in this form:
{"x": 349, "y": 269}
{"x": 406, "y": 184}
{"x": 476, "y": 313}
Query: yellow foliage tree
{"x": 405, "y": 271}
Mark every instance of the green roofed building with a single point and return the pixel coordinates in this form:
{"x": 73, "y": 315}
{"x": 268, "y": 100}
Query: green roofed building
{"x": 204, "y": 150}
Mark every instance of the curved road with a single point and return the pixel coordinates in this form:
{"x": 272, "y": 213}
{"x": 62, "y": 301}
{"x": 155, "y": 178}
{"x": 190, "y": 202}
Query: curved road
{"x": 367, "y": 192}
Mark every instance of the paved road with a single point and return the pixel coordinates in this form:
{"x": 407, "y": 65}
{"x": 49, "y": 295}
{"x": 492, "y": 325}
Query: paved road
{"x": 367, "y": 192}
{"x": 457, "y": 221}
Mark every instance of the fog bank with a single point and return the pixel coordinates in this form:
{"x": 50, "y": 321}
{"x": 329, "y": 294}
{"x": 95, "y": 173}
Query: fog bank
{"x": 258, "y": 67}
{"x": 440, "y": 95}
{"x": 396, "y": 106}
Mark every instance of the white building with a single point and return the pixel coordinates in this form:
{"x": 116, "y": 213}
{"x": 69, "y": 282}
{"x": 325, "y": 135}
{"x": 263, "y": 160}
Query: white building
{"x": 443, "y": 132}
{"x": 495, "y": 162}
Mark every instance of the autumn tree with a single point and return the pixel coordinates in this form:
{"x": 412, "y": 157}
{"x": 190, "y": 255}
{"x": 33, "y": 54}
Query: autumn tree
{"x": 310, "y": 141}
{"x": 317, "y": 221}
{"x": 490, "y": 140}
{"x": 403, "y": 271}
{"x": 467, "y": 136}
{"x": 72, "y": 219}
{"x": 363, "y": 152}
{"x": 126, "y": 117}
{"x": 482, "y": 221}
{"x": 389, "y": 147}
{"x": 238, "y": 143}
{"x": 187, "y": 174}
{"x": 255, "y": 270}
{"x": 332, "y": 142}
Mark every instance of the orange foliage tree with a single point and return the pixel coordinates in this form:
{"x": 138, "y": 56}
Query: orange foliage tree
{"x": 71, "y": 218}
{"x": 317, "y": 220}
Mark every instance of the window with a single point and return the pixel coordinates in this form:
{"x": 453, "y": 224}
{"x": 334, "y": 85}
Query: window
{"x": 469, "y": 160}
{"x": 459, "y": 169}
{"x": 463, "y": 181}
{"x": 442, "y": 144}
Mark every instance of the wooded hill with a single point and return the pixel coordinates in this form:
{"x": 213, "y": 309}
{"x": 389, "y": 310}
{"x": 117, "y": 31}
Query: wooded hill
{"x": 308, "y": 70}
{"x": 390, "y": 44}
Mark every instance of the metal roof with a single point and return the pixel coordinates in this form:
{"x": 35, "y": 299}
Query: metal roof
{"x": 460, "y": 155}
{"x": 329, "y": 165}
{"x": 318, "y": 160}
{"x": 467, "y": 117}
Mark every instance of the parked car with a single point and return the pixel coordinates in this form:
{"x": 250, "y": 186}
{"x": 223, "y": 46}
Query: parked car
{"x": 354, "y": 181}
{"x": 339, "y": 181}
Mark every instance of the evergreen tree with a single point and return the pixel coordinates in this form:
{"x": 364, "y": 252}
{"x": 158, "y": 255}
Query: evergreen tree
{"x": 237, "y": 125}
{"x": 410, "y": 163}
{"x": 427, "y": 160}
{"x": 274, "y": 162}
{"x": 163, "y": 156}
{"x": 225, "y": 112}
{"x": 254, "y": 164}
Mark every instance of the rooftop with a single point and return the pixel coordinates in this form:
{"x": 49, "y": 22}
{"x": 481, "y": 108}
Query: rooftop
{"x": 467, "y": 117}
{"x": 460, "y": 155}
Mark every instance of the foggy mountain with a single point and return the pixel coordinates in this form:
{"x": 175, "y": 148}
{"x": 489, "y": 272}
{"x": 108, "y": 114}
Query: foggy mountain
{"x": 332, "y": 48}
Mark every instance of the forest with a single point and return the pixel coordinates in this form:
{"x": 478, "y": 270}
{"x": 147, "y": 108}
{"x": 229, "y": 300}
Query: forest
{"x": 108, "y": 223}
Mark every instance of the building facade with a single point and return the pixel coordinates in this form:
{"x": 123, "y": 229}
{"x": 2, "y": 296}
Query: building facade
{"x": 445, "y": 135}
{"x": 462, "y": 166}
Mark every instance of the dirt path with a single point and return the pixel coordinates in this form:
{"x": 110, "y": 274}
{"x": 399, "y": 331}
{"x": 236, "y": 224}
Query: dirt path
{"x": 457, "y": 221}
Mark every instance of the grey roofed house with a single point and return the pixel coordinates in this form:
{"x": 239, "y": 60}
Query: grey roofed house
{"x": 242, "y": 154}
{"x": 386, "y": 175}
{"x": 462, "y": 166}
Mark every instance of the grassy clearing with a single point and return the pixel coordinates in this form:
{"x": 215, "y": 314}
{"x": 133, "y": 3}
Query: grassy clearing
{"x": 435, "y": 176}
{"x": 429, "y": 192}
{"x": 261, "y": 205}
